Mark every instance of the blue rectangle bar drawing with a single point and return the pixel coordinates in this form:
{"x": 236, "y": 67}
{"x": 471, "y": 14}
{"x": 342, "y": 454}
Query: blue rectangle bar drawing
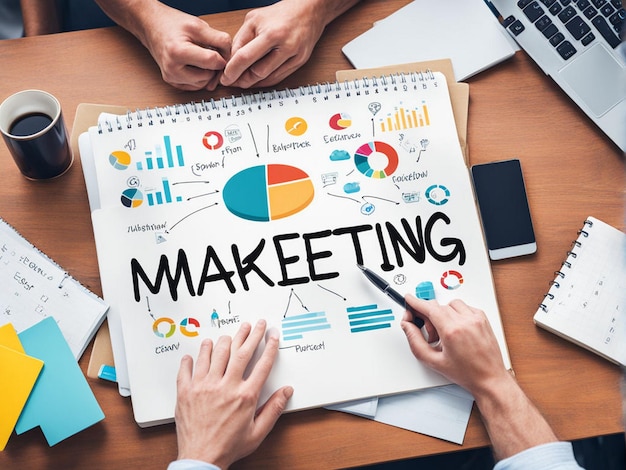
{"x": 294, "y": 327}
{"x": 370, "y": 314}
{"x": 289, "y": 338}
{"x": 166, "y": 190}
{"x": 159, "y": 197}
{"x": 168, "y": 151}
{"x": 295, "y": 324}
{"x": 369, "y": 321}
{"x": 361, "y": 308}
{"x": 304, "y": 316}
{"x": 150, "y": 199}
{"x": 179, "y": 154}
{"x": 159, "y": 156}
{"x": 291, "y": 331}
{"x": 380, "y": 326}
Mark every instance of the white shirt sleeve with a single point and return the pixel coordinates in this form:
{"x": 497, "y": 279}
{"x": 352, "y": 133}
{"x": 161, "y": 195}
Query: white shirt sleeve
{"x": 551, "y": 456}
{"x": 188, "y": 464}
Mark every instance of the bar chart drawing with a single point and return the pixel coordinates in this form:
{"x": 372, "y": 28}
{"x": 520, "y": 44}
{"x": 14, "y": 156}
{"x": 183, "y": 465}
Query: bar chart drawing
{"x": 405, "y": 118}
{"x": 368, "y": 318}
{"x": 164, "y": 196}
{"x": 296, "y": 326}
{"x": 163, "y": 156}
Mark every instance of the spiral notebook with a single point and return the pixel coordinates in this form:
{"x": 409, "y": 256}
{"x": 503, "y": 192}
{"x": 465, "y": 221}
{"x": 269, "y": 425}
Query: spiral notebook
{"x": 260, "y": 206}
{"x": 587, "y": 300}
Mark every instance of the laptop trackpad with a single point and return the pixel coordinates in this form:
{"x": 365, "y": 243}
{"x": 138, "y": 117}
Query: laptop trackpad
{"x": 597, "y": 78}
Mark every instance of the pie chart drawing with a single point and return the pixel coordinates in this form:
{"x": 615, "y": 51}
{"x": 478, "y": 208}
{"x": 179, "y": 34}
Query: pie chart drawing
{"x": 366, "y": 153}
{"x": 119, "y": 159}
{"x": 340, "y": 121}
{"x": 268, "y": 192}
{"x": 131, "y": 198}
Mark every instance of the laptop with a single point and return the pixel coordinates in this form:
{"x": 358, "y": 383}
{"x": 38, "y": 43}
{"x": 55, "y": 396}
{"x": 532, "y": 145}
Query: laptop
{"x": 578, "y": 44}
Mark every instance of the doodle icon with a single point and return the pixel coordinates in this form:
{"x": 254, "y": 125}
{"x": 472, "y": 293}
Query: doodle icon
{"x": 451, "y": 280}
{"x": 437, "y": 194}
{"x": 374, "y": 107}
{"x": 367, "y": 208}
{"x": 213, "y": 140}
{"x": 296, "y": 126}
{"x": 119, "y": 159}
{"x": 340, "y": 121}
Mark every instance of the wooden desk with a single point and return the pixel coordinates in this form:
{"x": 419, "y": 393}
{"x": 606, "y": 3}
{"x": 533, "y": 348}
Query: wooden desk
{"x": 572, "y": 170}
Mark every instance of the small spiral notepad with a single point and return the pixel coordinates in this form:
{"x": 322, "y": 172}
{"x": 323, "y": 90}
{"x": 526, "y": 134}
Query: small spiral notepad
{"x": 586, "y": 300}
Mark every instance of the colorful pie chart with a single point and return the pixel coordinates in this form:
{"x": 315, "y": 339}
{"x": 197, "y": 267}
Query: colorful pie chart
{"x": 184, "y": 327}
{"x": 268, "y": 192}
{"x": 368, "y": 158}
{"x": 131, "y": 197}
{"x": 119, "y": 159}
{"x": 340, "y": 121}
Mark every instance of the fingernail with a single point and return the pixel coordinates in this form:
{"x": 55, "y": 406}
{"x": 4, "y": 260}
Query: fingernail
{"x": 288, "y": 392}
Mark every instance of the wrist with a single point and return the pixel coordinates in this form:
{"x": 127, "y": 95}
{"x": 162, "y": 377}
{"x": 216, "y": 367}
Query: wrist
{"x": 496, "y": 391}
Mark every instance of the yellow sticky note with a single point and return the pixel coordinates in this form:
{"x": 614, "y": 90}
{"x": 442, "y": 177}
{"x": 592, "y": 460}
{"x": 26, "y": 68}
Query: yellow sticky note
{"x": 10, "y": 339}
{"x": 19, "y": 373}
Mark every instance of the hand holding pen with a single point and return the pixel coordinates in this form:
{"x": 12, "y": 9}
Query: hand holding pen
{"x": 418, "y": 319}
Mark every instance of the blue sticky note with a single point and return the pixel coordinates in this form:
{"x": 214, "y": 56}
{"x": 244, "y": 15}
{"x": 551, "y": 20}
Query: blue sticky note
{"x": 61, "y": 402}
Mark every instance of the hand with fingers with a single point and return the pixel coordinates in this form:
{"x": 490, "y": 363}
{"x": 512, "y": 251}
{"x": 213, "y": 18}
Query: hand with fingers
{"x": 276, "y": 40}
{"x": 272, "y": 43}
{"x": 467, "y": 353}
{"x": 462, "y": 346}
{"x": 190, "y": 53}
{"x": 217, "y": 420}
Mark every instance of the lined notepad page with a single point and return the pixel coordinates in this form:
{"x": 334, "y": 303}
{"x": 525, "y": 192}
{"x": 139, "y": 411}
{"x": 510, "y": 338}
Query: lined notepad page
{"x": 33, "y": 287}
{"x": 587, "y": 299}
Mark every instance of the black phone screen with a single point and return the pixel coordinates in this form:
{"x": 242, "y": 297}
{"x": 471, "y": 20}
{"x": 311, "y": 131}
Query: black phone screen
{"x": 503, "y": 204}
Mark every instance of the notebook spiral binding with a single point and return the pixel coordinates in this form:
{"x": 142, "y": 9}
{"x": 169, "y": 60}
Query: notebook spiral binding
{"x": 171, "y": 113}
{"x": 560, "y": 274}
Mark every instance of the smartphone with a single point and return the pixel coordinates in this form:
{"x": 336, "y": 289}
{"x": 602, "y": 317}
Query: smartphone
{"x": 501, "y": 196}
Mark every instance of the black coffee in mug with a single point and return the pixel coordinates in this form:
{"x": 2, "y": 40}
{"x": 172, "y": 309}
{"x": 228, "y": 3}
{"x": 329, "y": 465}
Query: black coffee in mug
{"x": 32, "y": 126}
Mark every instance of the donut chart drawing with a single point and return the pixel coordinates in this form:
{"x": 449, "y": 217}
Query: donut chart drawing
{"x": 367, "y": 152}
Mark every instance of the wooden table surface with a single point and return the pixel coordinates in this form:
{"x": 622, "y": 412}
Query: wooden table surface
{"x": 572, "y": 170}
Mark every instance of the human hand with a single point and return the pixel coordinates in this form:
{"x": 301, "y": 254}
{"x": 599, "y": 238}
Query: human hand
{"x": 190, "y": 54}
{"x": 273, "y": 42}
{"x": 217, "y": 420}
{"x": 467, "y": 352}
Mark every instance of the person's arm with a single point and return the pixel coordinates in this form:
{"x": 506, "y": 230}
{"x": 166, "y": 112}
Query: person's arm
{"x": 40, "y": 17}
{"x": 468, "y": 354}
{"x": 217, "y": 420}
{"x": 190, "y": 54}
{"x": 276, "y": 40}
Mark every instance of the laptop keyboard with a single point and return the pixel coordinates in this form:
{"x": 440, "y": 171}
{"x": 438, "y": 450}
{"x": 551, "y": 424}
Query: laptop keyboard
{"x": 586, "y": 21}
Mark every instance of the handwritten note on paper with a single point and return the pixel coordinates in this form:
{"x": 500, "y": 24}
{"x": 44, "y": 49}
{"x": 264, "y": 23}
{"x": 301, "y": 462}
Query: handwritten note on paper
{"x": 33, "y": 287}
